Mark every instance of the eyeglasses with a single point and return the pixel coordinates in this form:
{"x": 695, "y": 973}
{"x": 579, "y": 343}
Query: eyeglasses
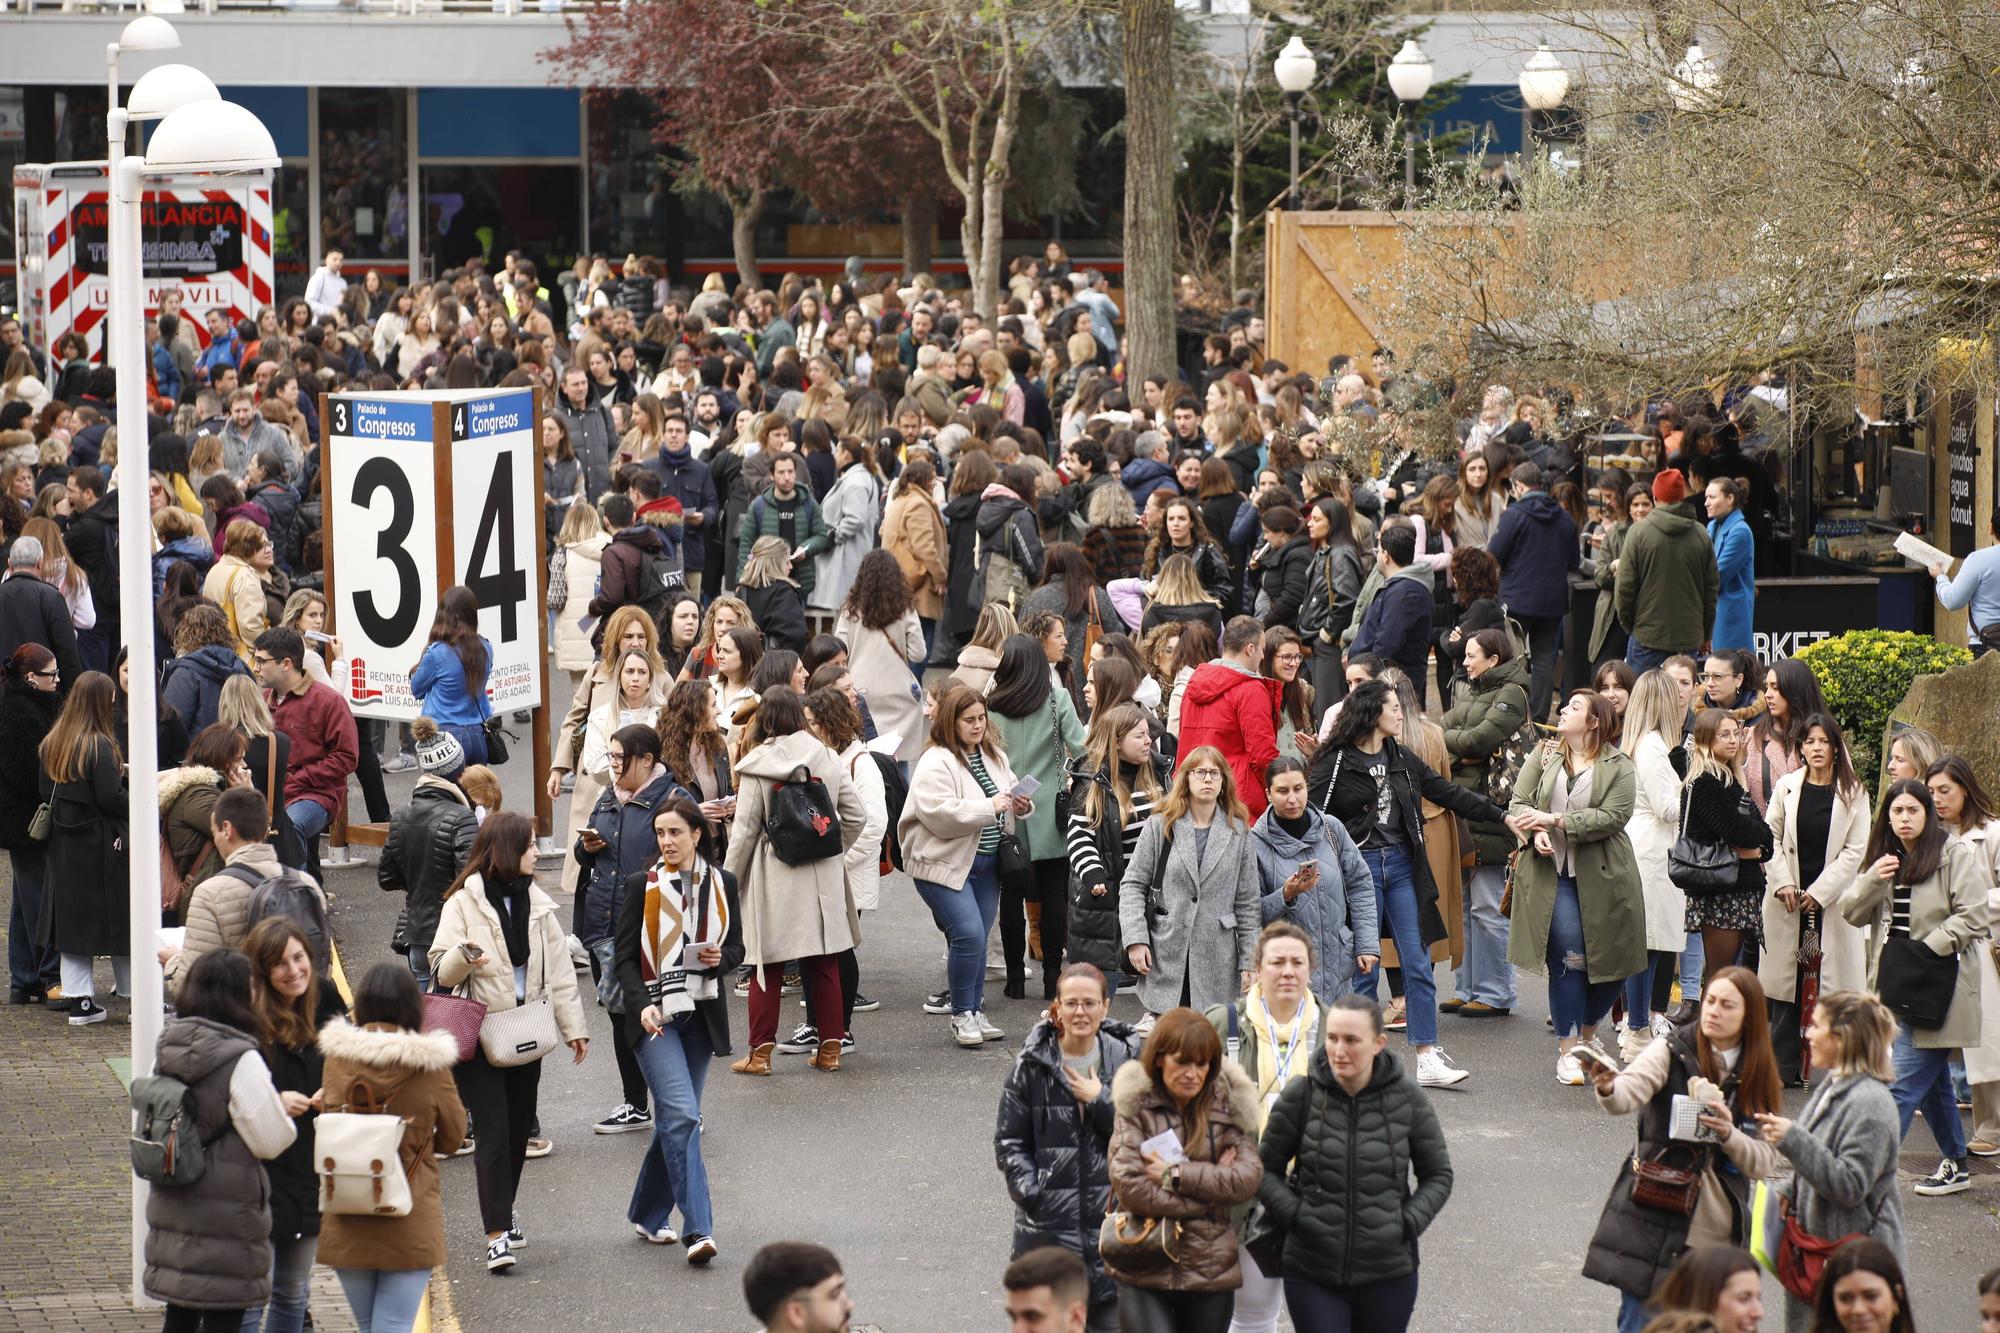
{"x": 262, "y": 659}
{"x": 1293, "y": 658}
{"x": 50, "y": 674}
{"x": 615, "y": 760}
{"x": 1206, "y": 774}
{"x": 1718, "y": 675}
{"x": 1079, "y": 1006}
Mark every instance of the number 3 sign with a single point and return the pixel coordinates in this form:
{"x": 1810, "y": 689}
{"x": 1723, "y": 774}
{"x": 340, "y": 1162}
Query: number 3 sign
{"x": 424, "y": 491}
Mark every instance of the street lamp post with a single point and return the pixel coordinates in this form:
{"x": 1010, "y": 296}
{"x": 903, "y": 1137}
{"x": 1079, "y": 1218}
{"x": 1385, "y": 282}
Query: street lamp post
{"x": 201, "y": 134}
{"x": 1692, "y": 82}
{"x": 148, "y": 32}
{"x": 1544, "y": 83}
{"x": 1410, "y": 79}
{"x": 1295, "y": 69}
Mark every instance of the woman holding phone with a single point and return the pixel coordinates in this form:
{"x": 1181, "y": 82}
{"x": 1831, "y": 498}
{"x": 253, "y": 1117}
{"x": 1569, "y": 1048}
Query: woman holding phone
{"x": 1724, "y": 1063}
{"x": 679, "y": 934}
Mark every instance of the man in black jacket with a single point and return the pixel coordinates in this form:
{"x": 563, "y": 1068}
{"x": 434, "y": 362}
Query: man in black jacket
{"x": 429, "y": 841}
{"x": 1398, "y": 623}
{"x": 93, "y": 545}
{"x": 32, "y": 610}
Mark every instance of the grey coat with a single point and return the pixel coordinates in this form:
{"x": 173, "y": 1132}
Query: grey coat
{"x": 1206, "y": 930}
{"x": 1843, "y": 1152}
{"x": 1948, "y": 915}
{"x": 208, "y": 1245}
{"x": 853, "y": 512}
{"x": 1339, "y": 912}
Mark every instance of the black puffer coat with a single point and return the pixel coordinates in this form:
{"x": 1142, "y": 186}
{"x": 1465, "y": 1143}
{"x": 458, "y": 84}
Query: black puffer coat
{"x": 26, "y": 714}
{"x": 429, "y": 841}
{"x": 1348, "y": 1214}
{"x": 1093, "y": 919}
{"x": 1488, "y": 712}
{"x": 962, "y": 598}
{"x": 1053, "y": 1151}
{"x": 1282, "y": 576}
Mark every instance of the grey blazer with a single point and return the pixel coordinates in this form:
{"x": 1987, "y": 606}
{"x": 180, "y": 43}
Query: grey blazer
{"x": 1843, "y": 1152}
{"x": 1205, "y": 934}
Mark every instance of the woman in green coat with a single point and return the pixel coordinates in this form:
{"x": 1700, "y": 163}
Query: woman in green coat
{"x": 1579, "y": 912}
{"x": 1489, "y": 713}
{"x": 1040, "y": 731}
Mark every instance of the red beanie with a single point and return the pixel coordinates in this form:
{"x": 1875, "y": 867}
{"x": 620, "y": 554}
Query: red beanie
{"x": 1669, "y": 487}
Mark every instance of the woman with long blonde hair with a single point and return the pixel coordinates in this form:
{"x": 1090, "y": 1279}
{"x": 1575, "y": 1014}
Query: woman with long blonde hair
{"x": 573, "y": 573}
{"x": 63, "y": 572}
{"x": 649, "y": 418}
{"x": 981, "y": 658}
{"x": 1654, "y": 717}
{"x": 1192, "y": 873}
{"x": 1713, "y": 812}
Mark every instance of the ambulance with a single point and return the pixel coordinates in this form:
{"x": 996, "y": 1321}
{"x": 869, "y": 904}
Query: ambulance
{"x": 206, "y": 237}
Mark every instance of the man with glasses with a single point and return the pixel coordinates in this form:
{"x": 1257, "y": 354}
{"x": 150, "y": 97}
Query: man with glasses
{"x": 32, "y": 610}
{"x": 320, "y": 727}
{"x": 1233, "y": 706}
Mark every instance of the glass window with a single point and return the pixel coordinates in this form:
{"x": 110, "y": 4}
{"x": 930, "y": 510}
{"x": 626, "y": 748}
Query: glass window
{"x": 290, "y": 227}
{"x": 633, "y": 208}
{"x": 488, "y": 209}
{"x": 364, "y": 170}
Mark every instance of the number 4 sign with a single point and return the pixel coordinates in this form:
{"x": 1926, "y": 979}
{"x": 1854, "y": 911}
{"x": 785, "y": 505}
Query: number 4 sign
{"x": 425, "y": 491}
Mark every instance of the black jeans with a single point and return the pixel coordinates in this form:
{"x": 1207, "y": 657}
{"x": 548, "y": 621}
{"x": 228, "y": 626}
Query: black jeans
{"x": 368, "y": 770}
{"x": 1376, "y": 1307}
{"x": 1052, "y": 891}
{"x": 503, "y": 1103}
{"x": 183, "y": 1319}
{"x": 1541, "y": 632}
{"x": 1141, "y": 1310}
{"x": 850, "y": 985}
{"x": 631, "y": 1082}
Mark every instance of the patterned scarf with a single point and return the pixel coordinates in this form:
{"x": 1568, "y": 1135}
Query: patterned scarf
{"x": 679, "y": 919}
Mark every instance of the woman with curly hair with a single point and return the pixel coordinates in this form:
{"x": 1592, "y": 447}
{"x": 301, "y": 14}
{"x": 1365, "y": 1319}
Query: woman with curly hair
{"x": 725, "y": 613}
{"x": 696, "y": 752}
{"x": 1182, "y": 532}
{"x": 1475, "y": 581}
{"x": 885, "y": 647}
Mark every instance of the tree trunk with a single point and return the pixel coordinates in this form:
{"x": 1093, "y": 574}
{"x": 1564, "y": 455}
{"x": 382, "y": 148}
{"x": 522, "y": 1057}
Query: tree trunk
{"x": 969, "y": 194}
{"x": 993, "y": 210}
{"x": 744, "y": 214}
{"x": 919, "y": 226}
{"x": 1146, "y": 29}
{"x": 1235, "y": 219}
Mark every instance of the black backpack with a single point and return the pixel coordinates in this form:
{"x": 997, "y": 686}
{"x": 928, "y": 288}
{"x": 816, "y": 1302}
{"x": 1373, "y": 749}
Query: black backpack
{"x": 292, "y": 894}
{"x": 800, "y": 821}
{"x": 660, "y": 577}
{"x": 895, "y": 792}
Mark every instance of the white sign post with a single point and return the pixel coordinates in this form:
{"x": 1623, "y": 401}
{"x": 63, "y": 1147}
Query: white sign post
{"x": 425, "y": 491}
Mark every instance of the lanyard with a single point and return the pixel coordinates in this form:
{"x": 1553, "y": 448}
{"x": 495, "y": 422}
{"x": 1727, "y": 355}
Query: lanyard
{"x": 1284, "y": 1073}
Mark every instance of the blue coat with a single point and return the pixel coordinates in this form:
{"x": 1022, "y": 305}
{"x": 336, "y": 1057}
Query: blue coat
{"x": 440, "y": 685}
{"x": 629, "y": 847}
{"x": 687, "y": 479}
{"x": 1735, "y": 559}
{"x": 1143, "y": 476}
{"x": 1536, "y": 546}
{"x": 193, "y": 683}
{"x": 1398, "y": 622}
{"x": 1339, "y": 912}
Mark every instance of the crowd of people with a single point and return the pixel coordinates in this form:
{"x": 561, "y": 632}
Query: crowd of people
{"x": 1199, "y": 687}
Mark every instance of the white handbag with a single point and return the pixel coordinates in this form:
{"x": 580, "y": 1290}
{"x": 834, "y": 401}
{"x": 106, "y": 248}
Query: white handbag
{"x": 523, "y": 1034}
{"x": 358, "y": 1153}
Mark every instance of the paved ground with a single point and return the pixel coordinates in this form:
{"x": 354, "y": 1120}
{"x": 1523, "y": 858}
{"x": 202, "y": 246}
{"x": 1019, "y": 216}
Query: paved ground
{"x": 890, "y": 1162}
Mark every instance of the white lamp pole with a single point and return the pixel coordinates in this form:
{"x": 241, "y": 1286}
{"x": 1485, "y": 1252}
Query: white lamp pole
{"x": 148, "y": 32}
{"x": 204, "y": 134}
{"x": 1295, "y": 69}
{"x": 1410, "y": 77}
{"x": 1544, "y": 83}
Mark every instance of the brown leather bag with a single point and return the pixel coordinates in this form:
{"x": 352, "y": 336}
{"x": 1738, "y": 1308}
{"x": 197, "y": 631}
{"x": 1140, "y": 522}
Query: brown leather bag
{"x": 1671, "y": 1189}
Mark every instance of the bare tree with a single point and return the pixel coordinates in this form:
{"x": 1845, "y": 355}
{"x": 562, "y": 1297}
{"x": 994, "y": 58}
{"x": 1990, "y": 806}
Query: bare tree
{"x": 1146, "y": 29}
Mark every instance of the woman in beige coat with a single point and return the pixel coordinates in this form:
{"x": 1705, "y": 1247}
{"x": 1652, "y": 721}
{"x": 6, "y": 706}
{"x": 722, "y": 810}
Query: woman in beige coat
{"x": 498, "y": 938}
{"x": 791, "y": 912}
{"x": 572, "y": 584}
{"x": 1966, "y": 809}
{"x": 913, "y": 532}
{"x": 628, "y": 629}
{"x": 1802, "y": 885}
{"x": 885, "y": 650}
{"x": 1920, "y": 885}
{"x": 236, "y": 582}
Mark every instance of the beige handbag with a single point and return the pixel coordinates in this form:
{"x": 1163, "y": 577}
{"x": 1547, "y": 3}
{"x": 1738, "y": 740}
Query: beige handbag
{"x": 523, "y": 1034}
{"x": 358, "y": 1152}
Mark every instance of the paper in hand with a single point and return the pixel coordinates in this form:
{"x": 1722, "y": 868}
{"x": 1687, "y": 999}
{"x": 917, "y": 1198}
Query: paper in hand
{"x": 1164, "y": 1146}
{"x": 1919, "y": 550}
{"x": 1027, "y": 785}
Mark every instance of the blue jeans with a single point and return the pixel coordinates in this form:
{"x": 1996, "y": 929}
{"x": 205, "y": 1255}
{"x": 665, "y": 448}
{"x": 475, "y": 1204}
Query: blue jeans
{"x": 1923, "y": 1083}
{"x": 472, "y": 737}
{"x": 1693, "y": 959}
{"x": 1377, "y": 1307}
{"x": 1575, "y": 1001}
{"x": 29, "y": 964}
{"x": 966, "y": 917}
{"x": 310, "y": 818}
{"x": 1396, "y": 909}
{"x": 291, "y": 1276}
{"x": 384, "y": 1300}
{"x": 1639, "y": 996}
{"x": 1487, "y": 975}
{"x": 1643, "y": 659}
{"x": 1632, "y": 1315}
{"x": 675, "y": 1064}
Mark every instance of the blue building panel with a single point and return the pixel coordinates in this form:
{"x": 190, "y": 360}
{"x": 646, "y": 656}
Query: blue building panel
{"x": 1491, "y": 111}
{"x": 499, "y": 122}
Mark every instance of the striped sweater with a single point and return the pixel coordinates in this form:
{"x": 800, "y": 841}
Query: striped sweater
{"x": 1084, "y": 858}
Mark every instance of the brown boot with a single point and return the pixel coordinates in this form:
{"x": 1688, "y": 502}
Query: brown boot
{"x": 826, "y": 1058}
{"x": 758, "y": 1061}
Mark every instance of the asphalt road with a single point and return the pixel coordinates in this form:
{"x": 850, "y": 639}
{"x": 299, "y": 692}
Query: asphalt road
{"x": 890, "y": 1162}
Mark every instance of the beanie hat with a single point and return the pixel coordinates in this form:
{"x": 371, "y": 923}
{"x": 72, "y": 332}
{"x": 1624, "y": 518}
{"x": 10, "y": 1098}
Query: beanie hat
{"x": 1669, "y": 487}
{"x": 438, "y": 751}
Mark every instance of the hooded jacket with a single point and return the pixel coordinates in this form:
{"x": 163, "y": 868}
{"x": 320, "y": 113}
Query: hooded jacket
{"x": 412, "y": 1072}
{"x": 964, "y": 591}
{"x": 1339, "y": 911}
{"x": 1346, "y": 1208}
{"x": 1205, "y": 1253}
{"x": 187, "y": 796}
{"x": 430, "y": 840}
{"x": 1000, "y": 508}
{"x": 1236, "y": 711}
{"x": 1283, "y": 578}
{"x": 618, "y": 566}
{"x": 1398, "y": 622}
{"x": 1667, "y": 581}
{"x": 801, "y": 911}
{"x": 1055, "y": 1152}
{"x": 193, "y": 683}
{"x": 1536, "y": 545}
{"x": 197, "y": 551}
{"x": 208, "y": 1244}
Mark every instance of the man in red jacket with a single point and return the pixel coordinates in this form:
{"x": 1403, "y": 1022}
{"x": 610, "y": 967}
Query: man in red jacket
{"x": 321, "y": 730}
{"x": 1234, "y": 707}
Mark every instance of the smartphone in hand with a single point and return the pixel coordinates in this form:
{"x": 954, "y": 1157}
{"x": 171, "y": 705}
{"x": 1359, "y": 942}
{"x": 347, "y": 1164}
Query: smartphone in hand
{"x": 1590, "y": 1055}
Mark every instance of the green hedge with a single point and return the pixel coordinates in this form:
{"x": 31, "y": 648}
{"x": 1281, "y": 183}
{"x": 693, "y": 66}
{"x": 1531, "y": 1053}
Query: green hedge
{"x": 1864, "y": 675}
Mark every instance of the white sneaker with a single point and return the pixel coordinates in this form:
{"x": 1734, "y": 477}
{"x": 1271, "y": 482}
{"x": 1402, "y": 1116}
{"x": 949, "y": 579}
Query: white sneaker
{"x": 1662, "y": 1025}
{"x": 986, "y": 1028}
{"x": 1632, "y": 1043}
{"x": 499, "y": 1255}
{"x": 1435, "y": 1070}
{"x": 664, "y": 1236}
{"x": 965, "y": 1030}
{"x": 1569, "y": 1070}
